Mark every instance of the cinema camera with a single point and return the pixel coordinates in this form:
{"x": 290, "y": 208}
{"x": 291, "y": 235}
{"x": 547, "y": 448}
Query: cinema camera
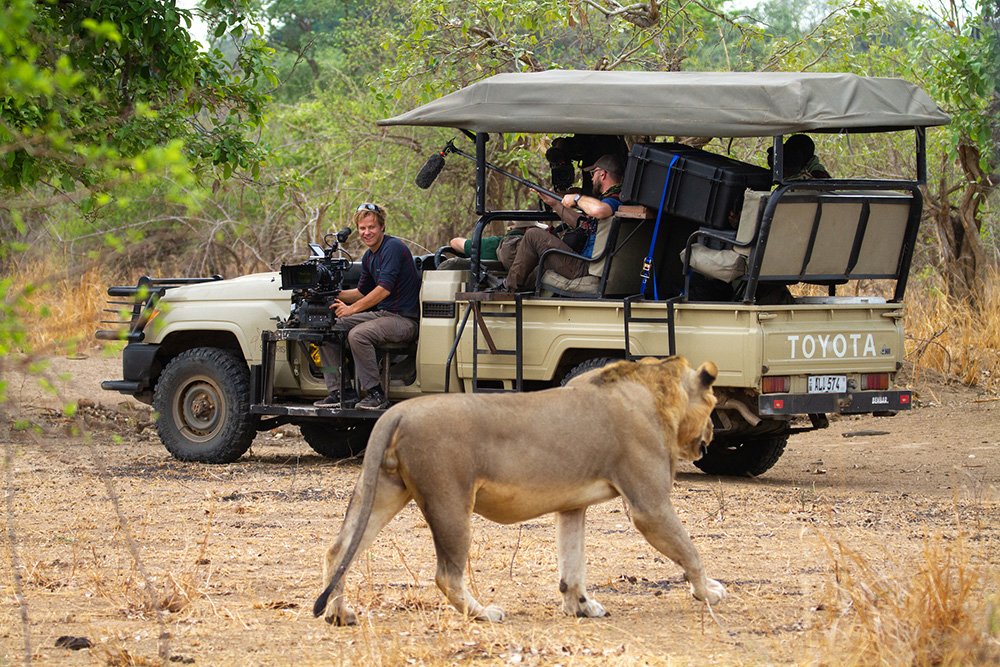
{"x": 315, "y": 283}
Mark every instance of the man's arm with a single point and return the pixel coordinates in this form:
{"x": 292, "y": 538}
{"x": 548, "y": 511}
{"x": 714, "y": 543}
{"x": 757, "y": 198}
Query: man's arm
{"x": 350, "y": 295}
{"x": 356, "y": 305}
{"x": 570, "y": 206}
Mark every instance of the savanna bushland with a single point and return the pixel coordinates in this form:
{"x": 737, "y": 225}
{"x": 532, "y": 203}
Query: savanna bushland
{"x": 144, "y": 137}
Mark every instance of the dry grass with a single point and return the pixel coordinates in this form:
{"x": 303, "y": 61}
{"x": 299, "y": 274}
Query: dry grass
{"x": 960, "y": 340}
{"x": 61, "y": 307}
{"x": 233, "y": 554}
{"x": 937, "y": 610}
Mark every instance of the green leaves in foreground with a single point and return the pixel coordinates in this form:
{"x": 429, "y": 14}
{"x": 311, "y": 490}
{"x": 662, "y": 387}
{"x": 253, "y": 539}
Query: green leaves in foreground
{"x": 95, "y": 93}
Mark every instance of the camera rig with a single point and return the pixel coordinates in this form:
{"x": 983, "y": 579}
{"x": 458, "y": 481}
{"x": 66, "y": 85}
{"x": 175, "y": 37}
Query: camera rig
{"x": 315, "y": 284}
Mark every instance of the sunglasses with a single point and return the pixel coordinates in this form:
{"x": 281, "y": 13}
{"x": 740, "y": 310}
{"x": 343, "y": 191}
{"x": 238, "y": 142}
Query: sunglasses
{"x": 369, "y": 207}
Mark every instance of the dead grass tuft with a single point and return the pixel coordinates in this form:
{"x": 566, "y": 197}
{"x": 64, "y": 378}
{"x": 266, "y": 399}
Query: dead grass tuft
{"x": 113, "y": 655}
{"x": 173, "y": 593}
{"x": 960, "y": 340}
{"x": 938, "y": 610}
{"x": 61, "y": 307}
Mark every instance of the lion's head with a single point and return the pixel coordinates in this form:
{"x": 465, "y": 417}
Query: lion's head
{"x": 683, "y": 396}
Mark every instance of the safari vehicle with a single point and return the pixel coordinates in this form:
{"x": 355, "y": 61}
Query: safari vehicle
{"x": 208, "y": 355}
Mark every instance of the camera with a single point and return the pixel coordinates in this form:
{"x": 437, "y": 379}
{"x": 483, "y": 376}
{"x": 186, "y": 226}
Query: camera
{"x": 315, "y": 283}
{"x": 560, "y": 156}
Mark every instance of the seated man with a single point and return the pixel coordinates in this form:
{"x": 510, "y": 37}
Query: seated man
{"x": 578, "y": 211}
{"x": 385, "y": 308}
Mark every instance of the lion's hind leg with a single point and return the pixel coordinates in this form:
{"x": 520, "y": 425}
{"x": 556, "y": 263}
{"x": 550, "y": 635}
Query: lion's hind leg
{"x": 390, "y": 497}
{"x": 452, "y": 531}
{"x": 573, "y": 566}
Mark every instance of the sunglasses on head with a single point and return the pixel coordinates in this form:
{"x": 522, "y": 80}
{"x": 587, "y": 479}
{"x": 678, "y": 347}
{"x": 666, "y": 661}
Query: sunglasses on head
{"x": 369, "y": 207}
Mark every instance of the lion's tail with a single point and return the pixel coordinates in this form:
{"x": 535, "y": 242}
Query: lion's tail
{"x": 356, "y": 518}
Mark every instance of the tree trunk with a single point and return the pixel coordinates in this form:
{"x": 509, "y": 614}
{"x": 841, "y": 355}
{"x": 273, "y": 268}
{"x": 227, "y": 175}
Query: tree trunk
{"x": 963, "y": 259}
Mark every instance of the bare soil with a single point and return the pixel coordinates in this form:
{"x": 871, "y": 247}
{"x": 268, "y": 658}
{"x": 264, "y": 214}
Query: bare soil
{"x": 109, "y": 539}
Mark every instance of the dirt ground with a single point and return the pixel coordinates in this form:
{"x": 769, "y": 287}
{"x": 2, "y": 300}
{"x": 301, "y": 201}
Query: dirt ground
{"x": 99, "y": 524}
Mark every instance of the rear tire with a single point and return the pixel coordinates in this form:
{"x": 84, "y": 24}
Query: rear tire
{"x": 203, "y": 405}
{"x": 749, "y": 458}
{"x": 337, "y": 442}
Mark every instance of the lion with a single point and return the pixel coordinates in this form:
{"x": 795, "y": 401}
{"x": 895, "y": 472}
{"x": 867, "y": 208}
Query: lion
{"x": 613, "y": 431}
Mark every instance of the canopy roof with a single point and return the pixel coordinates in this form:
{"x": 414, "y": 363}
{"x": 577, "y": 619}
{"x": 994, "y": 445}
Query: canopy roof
{"x": 710, "y": 104}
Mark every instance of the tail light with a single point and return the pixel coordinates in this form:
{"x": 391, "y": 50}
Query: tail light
{"x": 775, "y": 384}
{"x": 874, "y": 381}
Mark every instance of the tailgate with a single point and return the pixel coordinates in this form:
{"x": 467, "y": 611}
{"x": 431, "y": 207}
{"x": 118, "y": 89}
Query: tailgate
{"x": 837, "y": 359}
{"x": 833, "y": 338}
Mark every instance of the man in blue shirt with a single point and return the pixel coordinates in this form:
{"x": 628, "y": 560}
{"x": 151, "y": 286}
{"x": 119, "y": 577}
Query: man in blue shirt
{"x": 385, "y": 308}
{"x": 575, "y": 210}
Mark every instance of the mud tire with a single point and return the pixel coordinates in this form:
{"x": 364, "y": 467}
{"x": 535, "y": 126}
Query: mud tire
{"x": 202, "y": 401}
{"x": 337, "y": 441}
{"x": 747, "y": 458}
{"x": 584, "y": 366}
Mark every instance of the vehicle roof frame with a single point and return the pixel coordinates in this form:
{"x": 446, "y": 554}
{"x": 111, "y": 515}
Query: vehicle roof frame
{"x": 775, "y": 104}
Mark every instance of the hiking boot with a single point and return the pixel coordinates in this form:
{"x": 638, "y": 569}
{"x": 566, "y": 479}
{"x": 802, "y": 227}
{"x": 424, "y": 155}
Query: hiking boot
{"x": 501, "y": 289}
{"x": 331, "y": 401}
{"x": 375, "y": 400}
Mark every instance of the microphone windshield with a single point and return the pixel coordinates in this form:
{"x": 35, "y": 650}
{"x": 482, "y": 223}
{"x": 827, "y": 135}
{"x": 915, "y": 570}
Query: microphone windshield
{"x": 429, "y": 172}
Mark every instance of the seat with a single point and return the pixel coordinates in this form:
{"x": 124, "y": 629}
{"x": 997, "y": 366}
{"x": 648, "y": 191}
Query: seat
{"x": 819, "y": 237}
{"x": 613, "y": 271}
{"x": 389, "y": 350}
{"x": 729, "y": 262}
{"x": 464, "y": 264}
{"x": 557, "y": 283}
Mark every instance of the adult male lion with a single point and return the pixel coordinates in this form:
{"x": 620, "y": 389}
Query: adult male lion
{"x": 616, "y": 430}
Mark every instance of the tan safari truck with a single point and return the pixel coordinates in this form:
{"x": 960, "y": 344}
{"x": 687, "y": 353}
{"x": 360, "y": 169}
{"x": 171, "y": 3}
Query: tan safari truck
{"x": 698, "y": 262}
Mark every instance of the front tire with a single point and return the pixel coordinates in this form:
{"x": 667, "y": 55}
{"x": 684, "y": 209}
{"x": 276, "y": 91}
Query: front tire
{"x": 584, "y": 366}
{"x": 337, "y": 441}
{"x": 203, "y": 405}
{"x": 747, "y": 458}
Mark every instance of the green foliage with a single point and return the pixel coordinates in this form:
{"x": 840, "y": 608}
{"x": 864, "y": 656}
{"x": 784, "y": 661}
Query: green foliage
{"x": 960, "y": 68}
{"x": 319, "y": 43}
{"x": 93, "y": 93}
{"x": 446, "y": 44}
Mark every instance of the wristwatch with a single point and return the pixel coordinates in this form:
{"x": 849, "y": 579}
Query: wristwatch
{"x": 576, "y": 198}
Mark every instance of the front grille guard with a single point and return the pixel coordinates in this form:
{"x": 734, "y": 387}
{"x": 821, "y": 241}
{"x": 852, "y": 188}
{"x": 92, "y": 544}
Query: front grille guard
{"x": 134, "y": 305}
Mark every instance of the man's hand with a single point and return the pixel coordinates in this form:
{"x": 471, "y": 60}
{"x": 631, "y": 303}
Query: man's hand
{"x": 341, "y": 309}
{"x": 571, "y": 200}
{"x": 548, "y": 199}
{"x": 351, "y": 301}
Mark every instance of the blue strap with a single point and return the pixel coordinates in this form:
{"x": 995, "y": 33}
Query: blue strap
{"x": 647, "y": 264}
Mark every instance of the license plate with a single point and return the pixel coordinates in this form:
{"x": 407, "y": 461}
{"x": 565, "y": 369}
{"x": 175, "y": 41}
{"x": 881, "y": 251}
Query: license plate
{"x": 827, "y": 384}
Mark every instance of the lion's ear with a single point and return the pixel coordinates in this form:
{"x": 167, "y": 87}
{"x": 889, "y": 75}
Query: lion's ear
{"x": 707, "y": 374}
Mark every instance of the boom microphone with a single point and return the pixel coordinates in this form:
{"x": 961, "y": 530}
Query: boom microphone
{"x": 429, "y": 172}
{"x": 433, "y": 166}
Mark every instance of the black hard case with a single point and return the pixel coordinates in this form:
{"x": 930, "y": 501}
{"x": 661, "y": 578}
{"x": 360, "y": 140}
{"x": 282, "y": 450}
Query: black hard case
{"x": 703, "y": 187}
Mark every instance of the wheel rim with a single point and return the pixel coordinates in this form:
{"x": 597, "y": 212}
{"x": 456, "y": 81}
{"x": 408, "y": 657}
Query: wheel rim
{"x": 199, "y": 409}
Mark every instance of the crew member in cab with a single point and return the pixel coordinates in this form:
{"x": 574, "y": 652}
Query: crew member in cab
{"x": 582, "y": 212}
{"x": 801, "y": 162}
{"x": 384, "y": 308}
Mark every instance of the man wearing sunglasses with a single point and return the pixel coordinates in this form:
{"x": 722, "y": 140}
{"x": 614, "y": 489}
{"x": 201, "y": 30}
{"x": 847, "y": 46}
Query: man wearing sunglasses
{"x": 384, "y": 308}
{"x": 578, "y": 211}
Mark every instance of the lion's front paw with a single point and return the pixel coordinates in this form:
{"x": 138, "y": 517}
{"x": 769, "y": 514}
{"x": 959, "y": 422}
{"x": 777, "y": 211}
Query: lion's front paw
{"x": 491, "y": 613}
{"x": 714, "y": 592}
{"x": 586, "y": 608}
